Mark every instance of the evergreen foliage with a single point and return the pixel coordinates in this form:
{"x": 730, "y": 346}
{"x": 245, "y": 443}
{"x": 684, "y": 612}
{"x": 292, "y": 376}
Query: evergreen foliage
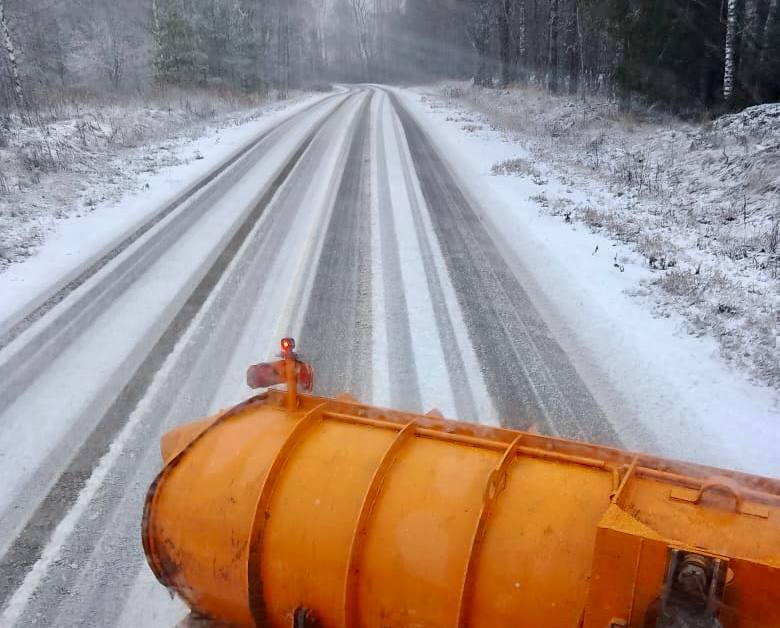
{"x": 682, "y": 55}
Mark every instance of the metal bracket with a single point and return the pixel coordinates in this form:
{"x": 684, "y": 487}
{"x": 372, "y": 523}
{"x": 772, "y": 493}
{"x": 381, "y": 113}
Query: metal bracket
{"x": 721, "y": 485}
{"x": 693, "y": 590}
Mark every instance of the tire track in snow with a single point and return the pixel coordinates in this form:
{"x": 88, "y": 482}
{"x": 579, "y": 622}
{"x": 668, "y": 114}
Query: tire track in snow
{"x": 400, "y": 362}
{"x": 51, "y": 301}
{"x": 107, "y": 533}
{"x": 336, "y": 334}
{"x": 19, "y": 369}
{"x": 28, "y": 545}
{"x": 465, "y": 405}
{"x": 527, "y": 373}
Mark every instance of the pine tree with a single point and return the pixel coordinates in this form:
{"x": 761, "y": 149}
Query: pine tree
{"x": 504, "y": 16}
{"x": 178, "y": 58}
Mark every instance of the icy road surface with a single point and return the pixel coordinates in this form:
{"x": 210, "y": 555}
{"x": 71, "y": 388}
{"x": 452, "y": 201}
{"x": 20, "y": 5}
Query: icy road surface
{"x": 343, "y": 226}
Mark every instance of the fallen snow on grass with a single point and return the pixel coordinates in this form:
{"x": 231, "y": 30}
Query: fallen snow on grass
{"x": 143, "y": 180}
{"x": 673, "y": 332}
{"x": 66, "y": 162}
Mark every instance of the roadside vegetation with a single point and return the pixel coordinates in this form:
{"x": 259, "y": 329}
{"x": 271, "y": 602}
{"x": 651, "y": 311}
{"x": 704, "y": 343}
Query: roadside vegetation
{"x": 699, "y": 202}
{"x": 95, "y": 93}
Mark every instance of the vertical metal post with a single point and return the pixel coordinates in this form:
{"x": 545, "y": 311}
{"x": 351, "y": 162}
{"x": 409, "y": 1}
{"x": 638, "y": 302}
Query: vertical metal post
{"x": 291, "y": 373}
{"x": 292, "y": 384}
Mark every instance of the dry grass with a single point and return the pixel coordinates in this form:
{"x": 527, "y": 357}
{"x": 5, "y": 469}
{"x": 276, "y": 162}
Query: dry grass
{"x": 76, "y": 150}
{"x": 519, "y": 167}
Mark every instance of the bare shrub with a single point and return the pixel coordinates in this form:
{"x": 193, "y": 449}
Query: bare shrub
{"x": 773, "y": 237}
{"x": 593, "y": 150}
{"x": 658, "y": 251}
{"x": 516, "y": 167}
{"x": 637, "y": 172}
{"x": 39, "y": 157}
{"x": 453, "y": 91}
{"x": 321, "y": 87}
{"x": 593, "y": 218}
{"x": 560, "y": 205}
{"x": 680, "y": 283}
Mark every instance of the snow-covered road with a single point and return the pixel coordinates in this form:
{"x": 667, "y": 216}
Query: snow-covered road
{"x": 343, "y": 226}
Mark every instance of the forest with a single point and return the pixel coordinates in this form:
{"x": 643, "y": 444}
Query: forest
{"x": 680, "y": 55}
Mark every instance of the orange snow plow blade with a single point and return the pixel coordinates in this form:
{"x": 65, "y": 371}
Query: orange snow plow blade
{"x": 292, "y": 510}
{"x": 340, "y": 514}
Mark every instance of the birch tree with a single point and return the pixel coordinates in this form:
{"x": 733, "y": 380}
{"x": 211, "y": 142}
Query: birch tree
{"x": 11, "y": 52}
{"x": 728, "y": 69}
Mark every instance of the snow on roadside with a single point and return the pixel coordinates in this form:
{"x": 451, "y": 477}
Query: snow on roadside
{"x": 666, "y": 391}
{"x": 64, "y": 162}
{"x": 152, "y": 175}
{"x": 699, "y": 202}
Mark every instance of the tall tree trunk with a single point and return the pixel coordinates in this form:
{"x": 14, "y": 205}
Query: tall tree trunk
{"x": 572, "y": 45}
{"x": 770, "y": 19}
{"x": 749, "y": 75}
{"x": 553, "y": 56}
{"x": 521, "y": 42}
{"x": 580, "y": 43}
{"x": 379, "y": 29}
{"x": 11, "y": 50}
{"x": 751, "y": 20}
{"x": 504, "y": 40}
{"x": 361, "y": 14}
{"x": 728, "y": 69}
{"x": 155, "y": 17}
